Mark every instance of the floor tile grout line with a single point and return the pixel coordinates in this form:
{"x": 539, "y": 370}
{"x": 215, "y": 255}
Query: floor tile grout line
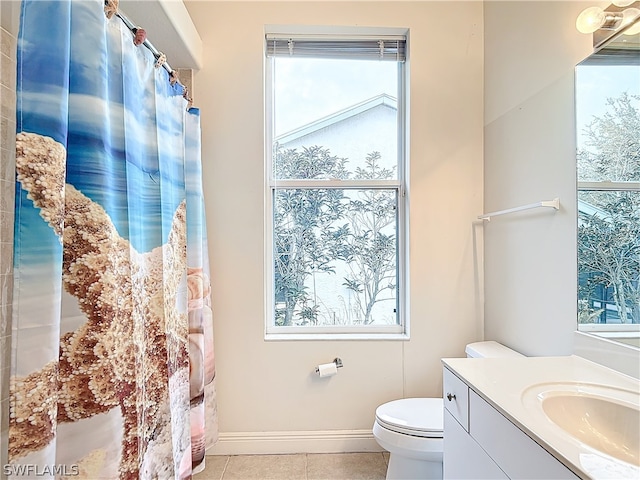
{"x": 224, "y": 469}
{"x": 306, "y": 466}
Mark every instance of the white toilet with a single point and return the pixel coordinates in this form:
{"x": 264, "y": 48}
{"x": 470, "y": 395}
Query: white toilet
{"x": 410, "y": 429}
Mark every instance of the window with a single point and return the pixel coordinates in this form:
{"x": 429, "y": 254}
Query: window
{"x": 336, "y": 195}
{"x": 608, "y": 168}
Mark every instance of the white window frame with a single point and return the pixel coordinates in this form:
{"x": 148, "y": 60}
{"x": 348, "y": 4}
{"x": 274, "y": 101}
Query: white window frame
{"x": 399, "y": 331}
{"x": 607, "y": 186}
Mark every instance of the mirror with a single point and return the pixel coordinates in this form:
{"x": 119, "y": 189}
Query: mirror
{"x": 608, "y": 181}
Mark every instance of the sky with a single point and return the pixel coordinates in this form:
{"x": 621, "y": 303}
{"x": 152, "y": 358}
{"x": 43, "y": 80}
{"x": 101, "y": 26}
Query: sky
{"x": 309, "y": 89}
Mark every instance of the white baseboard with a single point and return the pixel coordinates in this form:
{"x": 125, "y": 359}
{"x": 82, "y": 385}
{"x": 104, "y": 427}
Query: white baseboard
{"x": 326, "y": 441}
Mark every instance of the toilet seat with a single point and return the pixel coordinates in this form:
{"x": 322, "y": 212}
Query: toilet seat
{"x": 419, "y": 417}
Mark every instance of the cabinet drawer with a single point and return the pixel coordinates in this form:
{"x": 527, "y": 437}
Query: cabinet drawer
{"x": 456, "y": 398}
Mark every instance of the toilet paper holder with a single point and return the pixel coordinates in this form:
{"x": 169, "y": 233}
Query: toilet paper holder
{"x": 336, "y": 360}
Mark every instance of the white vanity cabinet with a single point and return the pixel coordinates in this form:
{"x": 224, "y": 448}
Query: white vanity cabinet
{"x": 480, "y": 443}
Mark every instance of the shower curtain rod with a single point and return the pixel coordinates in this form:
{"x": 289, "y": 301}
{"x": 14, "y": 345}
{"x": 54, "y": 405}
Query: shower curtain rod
{"x": 156, "y": 53}
{"x": 131, "y": 26}
{"x": 555, "y": 203}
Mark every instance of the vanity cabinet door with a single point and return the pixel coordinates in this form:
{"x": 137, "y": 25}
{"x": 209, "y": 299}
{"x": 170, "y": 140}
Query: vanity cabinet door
{"x": 516, "y": 453}
{"x": 463, "y": 457}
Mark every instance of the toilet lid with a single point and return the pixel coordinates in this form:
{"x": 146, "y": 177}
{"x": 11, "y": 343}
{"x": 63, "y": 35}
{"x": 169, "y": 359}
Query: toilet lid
{"x": 421, "y": 417}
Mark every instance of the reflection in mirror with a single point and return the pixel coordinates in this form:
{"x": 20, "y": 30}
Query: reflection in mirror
{"x": 608, "y": 171}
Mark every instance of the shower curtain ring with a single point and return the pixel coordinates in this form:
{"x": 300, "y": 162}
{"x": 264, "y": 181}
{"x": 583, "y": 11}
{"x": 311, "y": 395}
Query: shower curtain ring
{"x": 162, "y": 58}
{"x": 110, "y": 8}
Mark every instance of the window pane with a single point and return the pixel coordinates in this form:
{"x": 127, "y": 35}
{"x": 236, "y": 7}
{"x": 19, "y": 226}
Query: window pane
{"x": 609, "y": 257}
{"x": 608, "y": 122}
{"x": 335, "y": 257}
{"x": 347, "y": 108}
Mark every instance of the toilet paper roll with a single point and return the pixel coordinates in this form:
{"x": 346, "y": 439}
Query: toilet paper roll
{"x": 327, "y": 369}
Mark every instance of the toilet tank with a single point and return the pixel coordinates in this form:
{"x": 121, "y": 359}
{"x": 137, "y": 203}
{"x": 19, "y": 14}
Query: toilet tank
{"x": 490, "y": 349}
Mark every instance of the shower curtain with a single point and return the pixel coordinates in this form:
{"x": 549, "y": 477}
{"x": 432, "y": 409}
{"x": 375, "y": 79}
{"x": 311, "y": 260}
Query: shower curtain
{"x": 112, "y": 372}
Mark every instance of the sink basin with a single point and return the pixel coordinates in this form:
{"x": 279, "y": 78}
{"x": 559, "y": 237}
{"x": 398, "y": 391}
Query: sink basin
{"x": 602, "y": 424}
{"x": 603, "y": 418}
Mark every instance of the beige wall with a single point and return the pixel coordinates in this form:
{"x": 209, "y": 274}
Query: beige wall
{"x": 530, "y": 257}
{"x": 525, "y": 70}
{"x": 270, "y": 386}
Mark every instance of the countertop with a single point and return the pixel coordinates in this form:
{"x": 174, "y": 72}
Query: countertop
{"x": 503, "y": 383}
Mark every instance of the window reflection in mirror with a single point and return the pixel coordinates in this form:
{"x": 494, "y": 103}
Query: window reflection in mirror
{"x": 608, "y": 174}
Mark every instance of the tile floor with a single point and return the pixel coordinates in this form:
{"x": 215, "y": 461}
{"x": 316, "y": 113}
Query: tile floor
{"x": 302, "y": 466}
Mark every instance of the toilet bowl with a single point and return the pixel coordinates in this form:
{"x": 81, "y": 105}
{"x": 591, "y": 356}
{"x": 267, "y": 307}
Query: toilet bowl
{"x": 411, "y": 429}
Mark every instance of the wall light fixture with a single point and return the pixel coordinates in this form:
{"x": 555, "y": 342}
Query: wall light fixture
{"x": 621, "y": 16}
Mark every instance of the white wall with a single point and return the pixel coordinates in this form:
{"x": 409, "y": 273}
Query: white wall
{"x": 530, "y": 51}
{"x": 270, "y": 386}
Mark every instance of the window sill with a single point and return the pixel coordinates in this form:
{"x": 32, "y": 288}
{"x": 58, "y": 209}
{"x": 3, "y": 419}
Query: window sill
{"x": 278, "y": 337}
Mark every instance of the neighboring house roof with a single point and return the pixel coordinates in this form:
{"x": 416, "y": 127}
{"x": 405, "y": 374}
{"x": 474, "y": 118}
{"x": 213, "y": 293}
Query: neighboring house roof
{"x": 352, "y": 111}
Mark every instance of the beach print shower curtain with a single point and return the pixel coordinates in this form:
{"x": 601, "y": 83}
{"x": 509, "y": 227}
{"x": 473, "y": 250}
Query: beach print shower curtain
{"x": 112, "y": 356}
